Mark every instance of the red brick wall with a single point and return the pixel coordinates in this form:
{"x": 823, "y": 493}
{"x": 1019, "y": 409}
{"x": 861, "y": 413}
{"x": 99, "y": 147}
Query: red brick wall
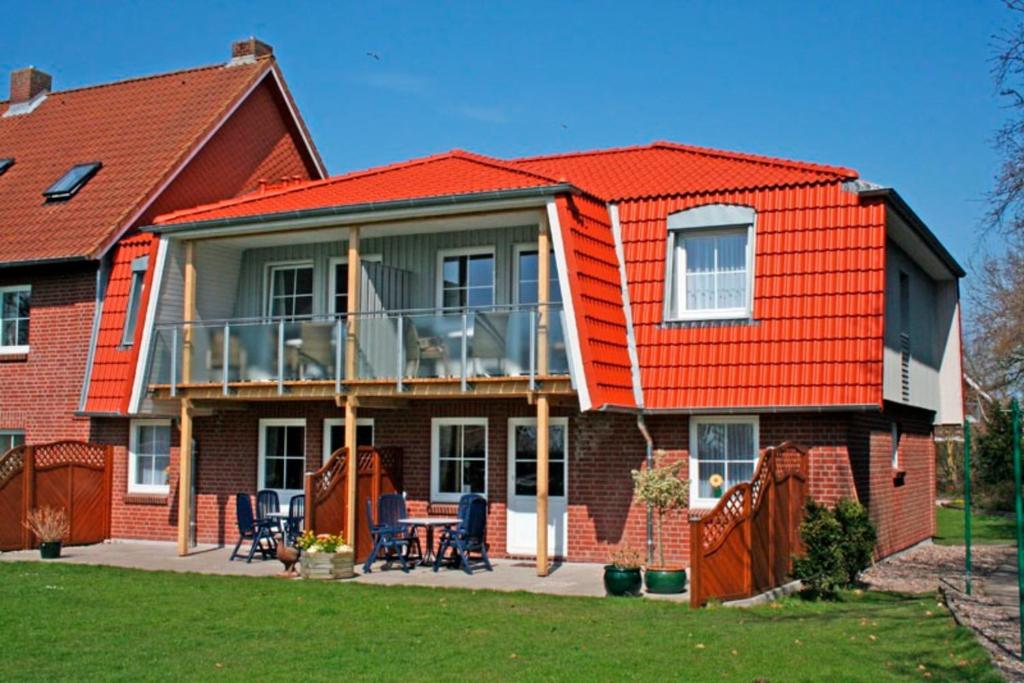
{"x": 604, "y": 448}
{"x": 39, "y": 391}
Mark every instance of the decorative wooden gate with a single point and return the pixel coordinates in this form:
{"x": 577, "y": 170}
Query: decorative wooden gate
{"x": 379, "y": 471}
{"x": 745, "y": 545}
{"x": 72, "y": 475}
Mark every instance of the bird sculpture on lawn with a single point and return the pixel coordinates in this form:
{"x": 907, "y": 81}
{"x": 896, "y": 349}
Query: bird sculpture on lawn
{"x": 289, "y": 557}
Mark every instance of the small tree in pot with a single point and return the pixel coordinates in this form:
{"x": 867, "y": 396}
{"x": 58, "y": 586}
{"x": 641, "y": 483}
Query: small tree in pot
{"x": 663, "y": 489}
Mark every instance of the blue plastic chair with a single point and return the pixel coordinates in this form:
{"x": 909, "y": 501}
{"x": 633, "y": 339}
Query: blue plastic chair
{"x": 390, "y": 538}
{"x": 470, "y": 535}
{"x": 296, "y": 518}
{"x": 250, "y": 528}
{"x": 267, "y": 502}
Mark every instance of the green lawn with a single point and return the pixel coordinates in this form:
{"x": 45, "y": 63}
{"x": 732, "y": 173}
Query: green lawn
{"x": 949, "y": 528}
{"x": 66, "y": 621}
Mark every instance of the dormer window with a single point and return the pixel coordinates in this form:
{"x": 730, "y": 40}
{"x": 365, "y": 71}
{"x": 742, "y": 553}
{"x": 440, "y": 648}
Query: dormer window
{"x": 72, "y": 181}
{"x": 710, "y": 264}
{"x": 135, "y": 291}
{"x": 5, "y": 163}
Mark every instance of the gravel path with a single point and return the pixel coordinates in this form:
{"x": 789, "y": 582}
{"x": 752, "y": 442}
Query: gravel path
{"x": 991, "y": 610}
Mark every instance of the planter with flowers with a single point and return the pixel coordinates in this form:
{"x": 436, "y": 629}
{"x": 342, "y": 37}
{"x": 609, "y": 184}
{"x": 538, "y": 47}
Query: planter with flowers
{"x": 51, "y": 527}
{"x": 622, "y": 576}
{"x": 325, "y": 556}
{"x": 663, "y": 489}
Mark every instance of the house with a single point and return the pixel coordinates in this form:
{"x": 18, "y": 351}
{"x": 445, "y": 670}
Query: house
{"x": 80, "y": 171}
{"x": 694, "y": 301}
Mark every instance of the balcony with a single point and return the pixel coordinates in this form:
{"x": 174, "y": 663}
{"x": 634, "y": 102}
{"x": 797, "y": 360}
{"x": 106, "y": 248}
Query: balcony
{"x": 410, "y": 352}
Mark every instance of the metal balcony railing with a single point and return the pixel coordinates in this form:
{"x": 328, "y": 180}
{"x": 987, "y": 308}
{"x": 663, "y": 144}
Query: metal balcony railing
{"x": 397, "y": 346}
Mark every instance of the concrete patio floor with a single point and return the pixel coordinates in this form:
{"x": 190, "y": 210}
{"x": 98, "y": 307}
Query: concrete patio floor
{"x": 568, "y": 578}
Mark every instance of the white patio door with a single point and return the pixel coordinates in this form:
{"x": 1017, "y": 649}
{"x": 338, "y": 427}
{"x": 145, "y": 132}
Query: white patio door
{"x": 522, "y": 486}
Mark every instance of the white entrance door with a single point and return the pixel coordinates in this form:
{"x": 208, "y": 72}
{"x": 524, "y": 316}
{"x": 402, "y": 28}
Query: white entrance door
{"x": 522, "y": 486}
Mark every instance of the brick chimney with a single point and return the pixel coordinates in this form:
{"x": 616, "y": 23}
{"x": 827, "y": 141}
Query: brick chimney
{"x": 249, "y": 50}
{"x": 27, "y": 83}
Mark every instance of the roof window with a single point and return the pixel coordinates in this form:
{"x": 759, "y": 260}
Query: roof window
{"x": 72, "y": 181}
{"x": 5, "y": 164}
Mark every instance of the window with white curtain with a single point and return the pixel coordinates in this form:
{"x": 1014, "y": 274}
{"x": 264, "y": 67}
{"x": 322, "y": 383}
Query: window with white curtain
{"x": 723, "y": 453}
{"x": 149, "y": 456}
{"x": 710, "y": 263}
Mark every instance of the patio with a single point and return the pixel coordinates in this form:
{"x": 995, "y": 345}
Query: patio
{"x": 570, "y": 578}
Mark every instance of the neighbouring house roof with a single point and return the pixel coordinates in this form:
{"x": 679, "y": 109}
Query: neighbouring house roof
{"x": 816, "y": 337}
{"x": 142, "y": 130}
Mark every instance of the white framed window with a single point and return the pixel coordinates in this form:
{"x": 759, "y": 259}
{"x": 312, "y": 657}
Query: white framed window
{"x": 282, "y": 457}
{"x": 725, "y": 446}
{"x": 135, "y": 291}
{"x": 465, "y": 277}
{"x": 334, "y": 434}
{"x": 709, "y": 272}
{"x": 525, "y": 270}
{"x": 895, "y": 436}
{"x": 149, "y": 456}
{"x": 458, "y": 457}
{"x": 290, "y": 289}
{"x": 522, "y": 445}
{"x": 14, "y": 318}
{"x": 9, "y": 438}
{"x": 337, "y": 286}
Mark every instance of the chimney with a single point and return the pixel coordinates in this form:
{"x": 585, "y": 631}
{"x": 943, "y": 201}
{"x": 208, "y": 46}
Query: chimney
{"x": 249, "y": 50}
{"x": 27, "y": 83}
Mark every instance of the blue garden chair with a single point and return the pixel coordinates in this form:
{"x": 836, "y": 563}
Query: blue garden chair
{"x": 469, "y": 536}
{"x": 267, "y": 502}
{"x": 250, "y": 528}
{"x": 390, "y": 538}
{"x": 296, "y": 518}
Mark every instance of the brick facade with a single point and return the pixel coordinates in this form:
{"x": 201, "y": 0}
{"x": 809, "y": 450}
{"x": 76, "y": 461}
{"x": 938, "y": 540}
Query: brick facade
{"x": 850, "y": 457}
{"x": 40, "y": 390}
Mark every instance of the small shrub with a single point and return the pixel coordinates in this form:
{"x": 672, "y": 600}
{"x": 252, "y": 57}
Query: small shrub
{"x": 48, "y": 524}
{"x": 996, "y": 497}
{"x": 838, "y": 546}
{"x": 662, "y": 488}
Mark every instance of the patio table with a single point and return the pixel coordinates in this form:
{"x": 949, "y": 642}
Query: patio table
{"x": 429, "y": 523}
{"x": 282, "y": 518}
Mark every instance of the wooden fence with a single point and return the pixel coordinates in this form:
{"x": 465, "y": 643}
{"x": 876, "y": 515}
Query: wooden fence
{"x": 379, "y": 471}
{"x": 72, "y": 475}
{"x": 745, "y": 545}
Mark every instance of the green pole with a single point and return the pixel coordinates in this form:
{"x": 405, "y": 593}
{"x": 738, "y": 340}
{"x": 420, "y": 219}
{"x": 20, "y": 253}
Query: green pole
{"x": 967, "y": 504}
{"x": 1015, "y": 408}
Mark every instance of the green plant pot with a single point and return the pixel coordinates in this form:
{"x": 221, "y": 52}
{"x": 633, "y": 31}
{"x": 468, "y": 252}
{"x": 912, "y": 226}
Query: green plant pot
{"x": 622, "y": 581}
{"x": 49, "y": 550}
{"x": 665, "y": 581}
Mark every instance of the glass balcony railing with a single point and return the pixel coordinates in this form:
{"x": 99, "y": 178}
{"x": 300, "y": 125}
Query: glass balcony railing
{"x": 392, "y": 346}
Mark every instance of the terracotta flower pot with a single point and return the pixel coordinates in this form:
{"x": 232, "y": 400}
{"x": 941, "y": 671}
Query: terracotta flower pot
{"x": 665, "y": 580}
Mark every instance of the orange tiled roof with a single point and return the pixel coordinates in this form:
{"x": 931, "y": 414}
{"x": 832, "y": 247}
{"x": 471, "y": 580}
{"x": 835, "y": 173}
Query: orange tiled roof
{"x": 140, "y": 129}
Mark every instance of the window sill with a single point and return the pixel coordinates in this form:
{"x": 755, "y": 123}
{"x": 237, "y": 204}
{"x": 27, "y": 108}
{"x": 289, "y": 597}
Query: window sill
{"x": 146, "y": 498}
{"x": 13, "y": 356}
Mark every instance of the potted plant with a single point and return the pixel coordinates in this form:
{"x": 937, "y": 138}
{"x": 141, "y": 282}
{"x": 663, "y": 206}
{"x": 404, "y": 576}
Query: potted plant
{"x": 50, "y": 526}
{"x": 325, "y": 556}
{"x": 622, "y": 575}
{"x": 662, "y": 488}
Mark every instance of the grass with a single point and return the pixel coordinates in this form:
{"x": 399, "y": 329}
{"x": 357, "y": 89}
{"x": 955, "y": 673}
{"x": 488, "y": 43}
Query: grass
{"x": 67, "y": 621}
{"x": 949, "y": 527}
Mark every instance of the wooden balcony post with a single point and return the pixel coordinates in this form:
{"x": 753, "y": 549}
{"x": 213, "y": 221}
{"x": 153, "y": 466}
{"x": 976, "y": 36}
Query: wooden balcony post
{"x": 185, "y": 477}
{"x": 543, "y": 408}
{"x": 189, "y": 310}
{"x": 351, "y": 371}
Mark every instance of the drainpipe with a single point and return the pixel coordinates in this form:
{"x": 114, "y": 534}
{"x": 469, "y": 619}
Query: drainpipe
{"x": 649, "y": 456}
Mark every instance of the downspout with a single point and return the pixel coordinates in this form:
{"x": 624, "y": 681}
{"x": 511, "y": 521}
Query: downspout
{"x": 649, "y": 457}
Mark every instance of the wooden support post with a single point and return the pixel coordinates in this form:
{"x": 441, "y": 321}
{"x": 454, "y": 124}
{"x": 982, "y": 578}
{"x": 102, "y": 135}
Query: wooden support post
{"x": 185, "y": 477}
{"x": 28, "y": 480}
{"x": 543, "y": 408}
{"x": 351, "y": 371}
{"x": 307, "y": 511}
{"x": 189, "y": 311}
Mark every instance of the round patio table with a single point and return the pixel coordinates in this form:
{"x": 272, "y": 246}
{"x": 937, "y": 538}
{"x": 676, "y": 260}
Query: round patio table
{"x": 429, "y": 523}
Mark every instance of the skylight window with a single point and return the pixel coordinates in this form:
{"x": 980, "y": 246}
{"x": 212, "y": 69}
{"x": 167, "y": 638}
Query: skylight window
{"x": 5, "y": 164}
{"x": 72, "y": 181}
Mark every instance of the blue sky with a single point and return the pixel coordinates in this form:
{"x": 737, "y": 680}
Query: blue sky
{"x": 900, "y": 91}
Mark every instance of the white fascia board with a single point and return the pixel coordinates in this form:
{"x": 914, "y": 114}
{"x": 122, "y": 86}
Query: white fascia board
{"x": 142, "y": 361}
{"x": 634, "y": 356}
{"x": 576, "y": 358}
